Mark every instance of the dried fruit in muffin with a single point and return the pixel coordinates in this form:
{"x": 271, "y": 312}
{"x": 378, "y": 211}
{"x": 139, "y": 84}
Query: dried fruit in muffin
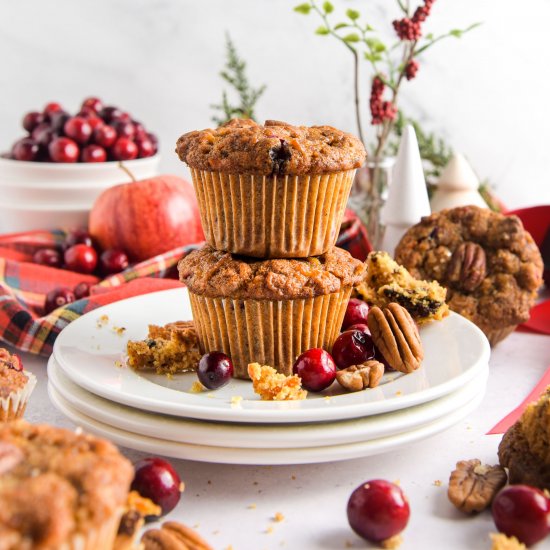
{"x": 387, "y": 282}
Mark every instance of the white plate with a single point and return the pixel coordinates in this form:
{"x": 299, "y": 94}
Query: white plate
{"x": 224, "y": 434}
{"x": 455, "y": 351}
{"x": 231, "y": 455}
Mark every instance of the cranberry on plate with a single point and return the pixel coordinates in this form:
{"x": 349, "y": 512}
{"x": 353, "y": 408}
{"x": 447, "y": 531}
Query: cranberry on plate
{"x": 352, "y": 347}
{"x": 215, "y": 370}
{"x": 356, "y": 312}
{"x": 316, "y": 368}
{"x": 378, "y": 510}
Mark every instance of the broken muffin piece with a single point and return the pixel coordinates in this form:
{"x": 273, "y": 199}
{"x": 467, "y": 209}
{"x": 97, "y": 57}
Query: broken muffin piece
{"x": 273, "y": 386}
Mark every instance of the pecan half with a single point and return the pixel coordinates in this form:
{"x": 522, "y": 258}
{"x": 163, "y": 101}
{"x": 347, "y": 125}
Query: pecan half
{"x": 360, "y": 377}
{"x": 173, "y": 536}
{"x": 395, "y": 334}
{"x": 467, "y": 267}
{"x": 472, "y": 486}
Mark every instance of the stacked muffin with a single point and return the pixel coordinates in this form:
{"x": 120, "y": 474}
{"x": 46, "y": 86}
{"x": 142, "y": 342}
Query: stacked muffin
{"x": 269, "y": 283}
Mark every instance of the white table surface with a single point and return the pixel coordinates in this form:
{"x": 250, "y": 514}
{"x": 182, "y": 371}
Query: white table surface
{"x": 233, "y": 506}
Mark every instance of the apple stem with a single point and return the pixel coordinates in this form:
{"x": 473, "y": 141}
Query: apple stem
{"x": 128, "y": 172}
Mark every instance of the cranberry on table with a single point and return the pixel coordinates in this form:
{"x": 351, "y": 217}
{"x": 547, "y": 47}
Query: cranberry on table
{"x": 25, "y": 149}
{"x": 78, "y": 236}
{"x": 32, "y": 120}
{"x": 93, "y": 153}
{"x": 124, "y": 149}
{"x": 78, "y": 129}
{"x": 48, "y": 256}
{"x": 157, "y": 480}
{"x": 93, "y": 103}
{"x": 356, "y": 312}
{"x": 523, "y": 512}
{"x": 81, "y": 258}
{"x": 378, "y": 510}
{"x": 57, "y": 298}
{"x": 316, "y": 368}
{"x": 82, "y": 290}
{"x": 104, "y": 136}
{"x": 63, "y": 149}
{"x": 113, "y": 261}
{"x": 352, "y": 347}
{"x": 215, "y": 370}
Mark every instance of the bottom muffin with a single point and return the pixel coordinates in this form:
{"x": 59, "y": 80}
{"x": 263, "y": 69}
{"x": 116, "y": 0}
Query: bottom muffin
{"x": 268, "y": 311}
{"x": 16, "y": 386}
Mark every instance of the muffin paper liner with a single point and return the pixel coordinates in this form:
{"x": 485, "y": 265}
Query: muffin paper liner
{"x": 269, "y": 332}
{"x": 498, "y": 334}
{"x": 272, "y": 216}
{"x": 101, "y": 537}
{"x": 14, "y": 405}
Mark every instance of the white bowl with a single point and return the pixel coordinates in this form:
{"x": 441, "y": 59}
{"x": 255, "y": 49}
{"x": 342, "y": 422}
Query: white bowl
{"x": 37, "y": 195}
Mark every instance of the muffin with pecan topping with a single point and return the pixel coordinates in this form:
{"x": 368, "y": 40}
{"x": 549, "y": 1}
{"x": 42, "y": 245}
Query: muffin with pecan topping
{"x": 268, "y": 311}
{"x": 16, "y": 386}
{"x": 490, "y": 265}
{"x": 59, "y": 489}
{"x": 272, "y": 191}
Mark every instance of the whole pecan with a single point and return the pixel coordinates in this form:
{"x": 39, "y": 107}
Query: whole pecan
{"x": 467, "y": 267}
{"x": 472, "y": 485}
{"x": 360, "y": 377}
{"x": 173, "y": 536}
{"x": 395, "y": 334}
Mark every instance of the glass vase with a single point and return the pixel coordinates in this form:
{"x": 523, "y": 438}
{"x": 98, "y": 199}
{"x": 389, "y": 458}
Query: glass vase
{"x": 368, "y": 195}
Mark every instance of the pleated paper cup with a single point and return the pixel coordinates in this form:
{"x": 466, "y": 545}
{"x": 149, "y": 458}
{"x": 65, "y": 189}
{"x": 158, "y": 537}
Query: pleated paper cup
{"x": 272, "y": 216}
{"x": 496, "y": 335}
{"x": 269, "y": 332}
{"x": 13, "y": 406}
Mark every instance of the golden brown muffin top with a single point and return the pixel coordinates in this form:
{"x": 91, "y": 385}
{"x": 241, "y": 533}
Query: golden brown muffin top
{"x": 277, "y": 148}
{"x": 12, "y": 377}
{"x": 490, "y": 265}
{"x": 55, "y": 483}
{"x": 215, "y": 274}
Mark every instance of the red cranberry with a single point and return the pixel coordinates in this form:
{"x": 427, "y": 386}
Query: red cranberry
{"x": 316, "y": 368}
{"x": 58, "y": 120}
{"x": 104, "y": 136}
{"x": 57, "y": 298}
{"x": 124, "y": 129}
{"x": 51, "y": 108}
{"x": 78, "y": 129}
{"x": 63, "y": 149}
{"x": 81, "y": 258}
{"x": 361, "y": 327}
{"x": 93, "y": 153}
{"x": 124, "y": 149}
{"x": 25, "y": 149}
{"x": 522, "y": 512}
{"x": 141, "y": 132}
{"x": 47, "y": 256}
{"x": 145, "y": 147}
{"x": 215, "y": 370}
{"x": 94, "y": 122}
{"x": 32, "y": 120}
{"x": 109, "y": 114}
{"x": 352, "y": 347}
{"x": 378, "y": 510}
{"x": 93, "y": 103}
{"x": 154, "y": 140}
{"x": 356, "y": 312}
{"x": 43, "y": 134}
{"x": 82, "y": 290}
{"x": 78, "y": 236}
{"x": 113, "y": 261}
{"x": 157, "y": 480}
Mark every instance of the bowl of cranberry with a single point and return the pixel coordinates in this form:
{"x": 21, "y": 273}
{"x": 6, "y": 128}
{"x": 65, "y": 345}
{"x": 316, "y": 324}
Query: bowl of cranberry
{"x": 51, "y": 177}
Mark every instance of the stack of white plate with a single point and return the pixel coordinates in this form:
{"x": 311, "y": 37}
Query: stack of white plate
{"x": 89, "y": 383}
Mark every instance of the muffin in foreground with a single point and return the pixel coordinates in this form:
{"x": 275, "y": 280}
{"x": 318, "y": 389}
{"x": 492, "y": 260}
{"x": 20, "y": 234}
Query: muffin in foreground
{"x": 16, "y": 386}
{"x": 59, "y": 489}
{"x": 268, "y": 311}
{"x": 490, "y": 265}
{"x": 272, "y": 191}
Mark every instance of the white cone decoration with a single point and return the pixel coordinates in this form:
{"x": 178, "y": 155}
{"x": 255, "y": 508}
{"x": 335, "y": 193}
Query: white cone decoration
{"x": 457, "y": 186}
{"x": 408, "y": 197}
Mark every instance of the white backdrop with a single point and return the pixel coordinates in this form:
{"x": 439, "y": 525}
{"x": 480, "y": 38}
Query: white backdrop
{"x": 159, "y": 59}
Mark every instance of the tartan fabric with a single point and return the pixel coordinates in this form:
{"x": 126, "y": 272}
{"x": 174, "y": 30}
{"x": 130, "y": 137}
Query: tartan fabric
{"x": 24, "y": 285}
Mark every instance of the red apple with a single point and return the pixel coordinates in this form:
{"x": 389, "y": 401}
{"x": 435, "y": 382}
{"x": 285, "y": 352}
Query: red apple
{"x": 146, "y": 217}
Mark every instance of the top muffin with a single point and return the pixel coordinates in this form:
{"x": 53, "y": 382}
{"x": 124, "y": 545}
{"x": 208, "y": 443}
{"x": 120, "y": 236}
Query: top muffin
{"x": 242, "y": 146}
{"x": 490, "y": 265}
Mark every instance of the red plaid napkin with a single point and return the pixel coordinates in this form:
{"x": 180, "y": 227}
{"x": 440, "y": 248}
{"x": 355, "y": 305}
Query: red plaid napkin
{"x": 24, "y": 285}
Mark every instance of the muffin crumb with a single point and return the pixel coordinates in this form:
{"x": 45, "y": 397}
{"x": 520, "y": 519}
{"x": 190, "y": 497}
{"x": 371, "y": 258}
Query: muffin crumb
{"x": 273, "y": 386}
